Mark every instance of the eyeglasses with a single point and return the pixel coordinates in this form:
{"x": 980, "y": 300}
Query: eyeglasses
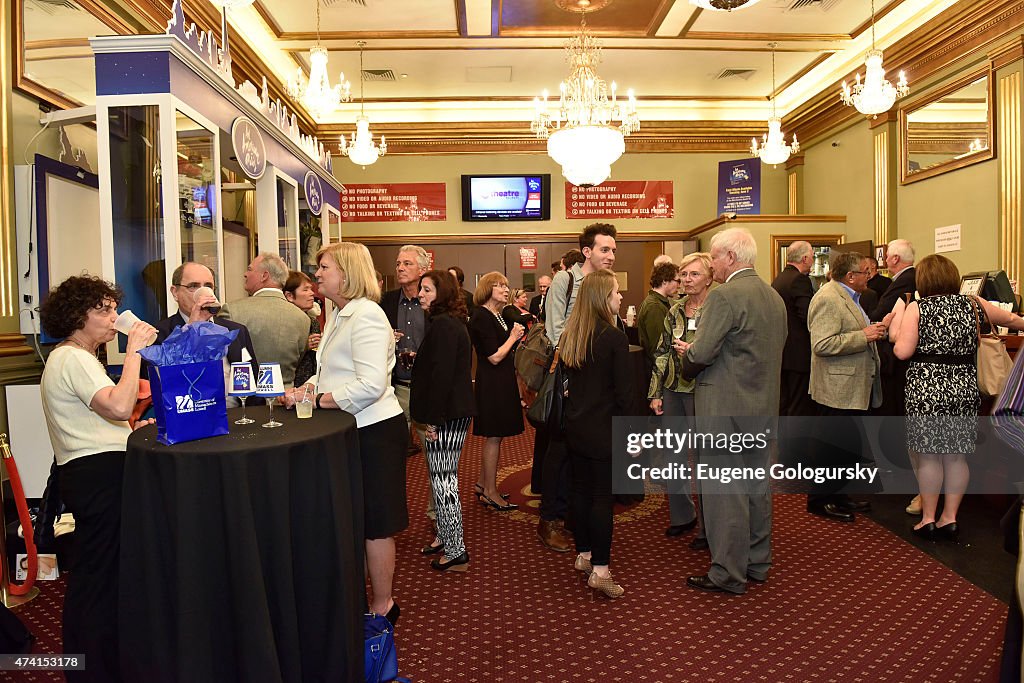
{"x": 856, "y": 272}
{"x": 193, "y": 286}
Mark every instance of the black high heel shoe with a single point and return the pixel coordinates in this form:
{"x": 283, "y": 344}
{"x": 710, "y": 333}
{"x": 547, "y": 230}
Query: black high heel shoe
{"x": 431, "y": 549}
{"x": 458, "y": 564}
{"x": 949, "y": 532}
{"x": 926, "y": 531}
{"x": 478, "y": 490}
{"x": 500, "y": 508}
{"x": 393, "y": 613}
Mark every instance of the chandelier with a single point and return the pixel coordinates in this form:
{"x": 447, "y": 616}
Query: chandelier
{"x": 361, "y": 149}
{"x": 875, "y": 95}
{"x": 317, "y": 95}
{"x": 581, "y": 134}
{"x": 773, "y": 148}
{"x": 722, "y": 5}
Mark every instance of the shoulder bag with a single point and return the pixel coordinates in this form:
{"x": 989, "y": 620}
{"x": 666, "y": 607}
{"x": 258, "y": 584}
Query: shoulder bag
{"x": 994, "y": 362}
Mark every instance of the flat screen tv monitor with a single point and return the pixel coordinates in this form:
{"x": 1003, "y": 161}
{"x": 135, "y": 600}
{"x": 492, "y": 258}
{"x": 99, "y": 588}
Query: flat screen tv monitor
{"x": 992, "y": 285}
{"x": 506, "y": 197}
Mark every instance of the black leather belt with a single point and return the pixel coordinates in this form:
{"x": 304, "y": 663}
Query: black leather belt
{"x": 402, "y": 382}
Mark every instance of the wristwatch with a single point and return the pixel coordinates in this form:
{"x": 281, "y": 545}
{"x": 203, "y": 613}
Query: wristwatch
{"x": 318, "y": 397}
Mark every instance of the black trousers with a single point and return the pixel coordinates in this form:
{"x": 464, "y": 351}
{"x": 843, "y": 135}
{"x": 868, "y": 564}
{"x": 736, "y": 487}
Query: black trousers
{"x": 794, "y": 400}
{"x": 838, "y": 444}
{"x": 593, "y": 505}
{"x": 91, "y": 489}
{"x": 555, "y": 478}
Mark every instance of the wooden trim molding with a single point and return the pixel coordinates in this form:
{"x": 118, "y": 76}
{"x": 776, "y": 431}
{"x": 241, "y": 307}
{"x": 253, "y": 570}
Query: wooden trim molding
{"x": 1007, "y": 54}
{"x": 14, "y": 345}
{"x": 793, "y": 181}
{"x": 1011, "y": 224}
{"x": 763, "y": 218}
{"x": 881, "y": 180}
{"x": 795, "y": 160}
{"x": 8, "y": 284}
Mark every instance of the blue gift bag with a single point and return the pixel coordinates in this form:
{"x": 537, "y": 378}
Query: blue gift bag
{"x": 188, "y": 401}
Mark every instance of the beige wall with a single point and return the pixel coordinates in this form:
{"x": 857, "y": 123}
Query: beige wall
{"x": 694, "y": 176}
{"x": 839, "y": 180}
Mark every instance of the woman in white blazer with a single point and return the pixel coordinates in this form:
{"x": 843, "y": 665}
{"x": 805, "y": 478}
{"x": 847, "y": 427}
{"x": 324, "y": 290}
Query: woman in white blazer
{"x": 354, "y": 363}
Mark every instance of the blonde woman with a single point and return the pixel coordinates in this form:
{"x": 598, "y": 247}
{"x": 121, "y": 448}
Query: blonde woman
{"x": 498, "y": 412}
{"x": 596, "y": 357}
{"x": 670, "y": 394}
{"x": 354, "y": 360}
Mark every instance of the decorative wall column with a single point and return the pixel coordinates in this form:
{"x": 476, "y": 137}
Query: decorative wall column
{"x": 795, "y": 184}
{"x": 1007, "y": 65}
{"x": 883, "y": 142}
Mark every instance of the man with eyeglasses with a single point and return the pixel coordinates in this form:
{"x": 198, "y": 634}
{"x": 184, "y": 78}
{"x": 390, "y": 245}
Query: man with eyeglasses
{"x": 186, "y": 279}
{"x": 845, "y": 379}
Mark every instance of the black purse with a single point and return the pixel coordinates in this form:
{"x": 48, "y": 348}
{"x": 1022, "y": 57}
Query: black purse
{"x": 547, "y": 410}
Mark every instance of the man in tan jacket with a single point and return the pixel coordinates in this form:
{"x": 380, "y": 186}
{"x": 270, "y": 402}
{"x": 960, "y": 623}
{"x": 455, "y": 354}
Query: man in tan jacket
{"x": 279, "y": 330}
{"x": 845, "y": 378}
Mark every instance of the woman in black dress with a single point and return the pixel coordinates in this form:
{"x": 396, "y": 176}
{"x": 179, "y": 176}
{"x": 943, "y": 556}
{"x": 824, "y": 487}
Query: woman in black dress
{"x": 939, "y": 336}
{"x": 498, "y": 412}
{"x": 596, "y": 356}
{"x": 441, "y": 399}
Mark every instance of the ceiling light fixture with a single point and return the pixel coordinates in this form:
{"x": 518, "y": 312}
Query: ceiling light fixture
{"x": 723, "y": 5}
{"x": 875, "y": 95}
{"x": 317, "y": 95}
{"x": 773, "y": 148}
{"x": 582, "y": 136}
{"x": 361, "y": 149}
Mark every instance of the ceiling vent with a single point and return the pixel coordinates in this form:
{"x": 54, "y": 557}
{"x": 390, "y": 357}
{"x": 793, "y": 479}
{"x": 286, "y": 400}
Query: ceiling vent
{"x": 53, "y": 6}
{"x": 378, "y": 75}
{"x": 744, "y": 74}
{"x": 335, "y": 3}
{"x": 823, "y": 5}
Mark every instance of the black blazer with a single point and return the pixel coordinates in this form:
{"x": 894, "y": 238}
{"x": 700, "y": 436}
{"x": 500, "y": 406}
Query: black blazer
{"x": 603, "y": 388}
{"x": 868, "y": 300}
{"x": 796, "y": 291}
{"x": 242, "y": 341}
{"x": 903, "y": 284}
{"x": 389, "y": 302}
{"x": 510, "y": 314}
{"x": 442, "y": 387}
{"x": 535, "y": 307}
{"x": 879, "y": 283}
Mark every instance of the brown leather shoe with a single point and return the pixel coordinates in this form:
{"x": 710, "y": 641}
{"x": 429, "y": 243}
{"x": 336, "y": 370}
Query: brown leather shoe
{"x": 551, "y": 536}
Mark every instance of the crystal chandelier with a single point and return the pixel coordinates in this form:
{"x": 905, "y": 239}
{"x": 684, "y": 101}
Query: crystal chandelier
{"x": 581, "y": 134}
{"x": 361, "y": 149}
{"x": 875, "y": 95}
{"x": 723, "y": 5}
{"x": 317, "y": 95}
{"x": 773, "y": 148}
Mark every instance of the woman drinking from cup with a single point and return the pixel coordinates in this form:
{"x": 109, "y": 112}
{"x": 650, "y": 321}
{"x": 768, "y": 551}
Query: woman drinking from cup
{"x": 355, "y": 359}
{"x": 441, "y": 398}
{"x": 87, "y": 419}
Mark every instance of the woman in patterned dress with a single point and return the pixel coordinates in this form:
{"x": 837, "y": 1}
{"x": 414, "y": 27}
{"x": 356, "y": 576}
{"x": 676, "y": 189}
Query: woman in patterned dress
{"x": 939, "y": 335}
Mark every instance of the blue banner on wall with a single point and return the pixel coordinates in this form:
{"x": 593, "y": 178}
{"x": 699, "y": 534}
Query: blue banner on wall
{"x": 739, "y": 186}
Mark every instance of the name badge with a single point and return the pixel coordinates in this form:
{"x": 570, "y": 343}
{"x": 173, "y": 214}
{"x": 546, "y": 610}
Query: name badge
{"x": 691, "y": 324}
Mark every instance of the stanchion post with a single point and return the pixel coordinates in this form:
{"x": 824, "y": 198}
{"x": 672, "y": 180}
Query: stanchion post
{"x": 5, "y": 574}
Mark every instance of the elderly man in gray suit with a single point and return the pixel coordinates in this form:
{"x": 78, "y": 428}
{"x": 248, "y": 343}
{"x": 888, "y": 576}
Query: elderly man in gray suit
{"x": 845, "y": 379}
{"x": 279, "y": 330}
{"x": 736, "y": 359}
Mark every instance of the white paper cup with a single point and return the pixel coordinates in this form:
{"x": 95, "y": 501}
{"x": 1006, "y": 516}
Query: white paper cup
{"x": 269, "y": 381}
{"x": 242, "y": 383}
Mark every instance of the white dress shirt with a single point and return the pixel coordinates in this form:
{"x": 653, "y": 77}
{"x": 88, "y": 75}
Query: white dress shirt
{"x": 354, "y": 362}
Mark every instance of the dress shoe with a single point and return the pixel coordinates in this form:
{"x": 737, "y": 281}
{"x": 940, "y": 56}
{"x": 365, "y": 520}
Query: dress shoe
{"x": 457, "y": 564}
{"x": 926, "y": 531}
{"x": 703, "y": 583}
{"x": 584, "y": 565}
{"x": 393, "y": 613}
{"x": 915, "y": 506}
{"x": 478, "y": 491}
{"x": 699, "y": 544}
{"x": 552, "y": 536}
{"x": 503, "y": 506}
{"x": 605, "y": 585}
{"x": 850, "y": 505}
{"x": 948, "y": 532}
{"x": 680, "y": 529}
{"x": 830, "y": 511}
{"x": 432, "y": 549}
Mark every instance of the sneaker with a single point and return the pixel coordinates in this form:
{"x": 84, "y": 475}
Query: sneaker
{"x": 915, "y": 506}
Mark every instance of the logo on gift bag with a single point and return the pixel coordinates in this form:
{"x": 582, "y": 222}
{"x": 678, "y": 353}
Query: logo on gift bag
{"x": 184, "y": 404}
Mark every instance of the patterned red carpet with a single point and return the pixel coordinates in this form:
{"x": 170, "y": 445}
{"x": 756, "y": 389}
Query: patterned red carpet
{"x": 844, "y": 602}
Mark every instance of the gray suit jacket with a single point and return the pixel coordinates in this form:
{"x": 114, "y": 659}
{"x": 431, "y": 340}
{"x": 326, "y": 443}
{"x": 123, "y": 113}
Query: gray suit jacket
{"x": 844, "y": 366}
{"x": 738, "y": 349}
{"x": 279, "y": 330}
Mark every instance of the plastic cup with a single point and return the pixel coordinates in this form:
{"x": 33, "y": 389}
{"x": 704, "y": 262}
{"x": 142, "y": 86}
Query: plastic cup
{"x": 125, "y": 320}
{"x": 304, "y": 409}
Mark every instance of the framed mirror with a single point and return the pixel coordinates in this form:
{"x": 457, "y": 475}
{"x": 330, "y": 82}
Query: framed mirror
{"x": 948, "y": 127}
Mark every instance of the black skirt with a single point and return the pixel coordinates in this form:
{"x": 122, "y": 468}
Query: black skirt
{"x": 382, "y": 449}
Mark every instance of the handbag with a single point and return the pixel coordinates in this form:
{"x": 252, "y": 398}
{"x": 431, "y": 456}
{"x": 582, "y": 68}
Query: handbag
{"x": 547, "y": 409}
{"x": 380, "y": 657}
{"x": 994, "y": 362}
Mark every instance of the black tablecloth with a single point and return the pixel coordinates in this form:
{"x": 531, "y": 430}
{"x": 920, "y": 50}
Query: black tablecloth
{"x": 242, "y": 555}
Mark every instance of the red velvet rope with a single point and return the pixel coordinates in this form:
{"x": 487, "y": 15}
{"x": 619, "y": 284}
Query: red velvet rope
{"x": 24, "y": 518}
